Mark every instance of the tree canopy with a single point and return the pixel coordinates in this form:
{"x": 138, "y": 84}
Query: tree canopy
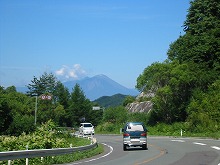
{"x": 186, "y": 84}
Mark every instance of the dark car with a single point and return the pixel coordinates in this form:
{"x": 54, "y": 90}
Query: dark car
{"x": 134, "y": 134}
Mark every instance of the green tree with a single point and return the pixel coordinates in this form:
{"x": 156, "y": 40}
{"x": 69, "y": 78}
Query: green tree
{"x": 204, "y": 109}
{"x": 128, "y": 99}
{"x": 5, "y": 113}
{"x": 193, "y": 64}
{"x": 16, "y": 112}
{"x": 45, "y": 84}
{"x": 80, "y": 107}
{"x": 62, "y": 95}
{"x": 46, "y": 109}
{"x": 201, "y": 43}
{"x": 153, "y": 77}
{"x": 115, "y": 115}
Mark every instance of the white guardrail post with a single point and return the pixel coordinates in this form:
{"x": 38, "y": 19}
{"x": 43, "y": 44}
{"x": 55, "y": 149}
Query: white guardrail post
{"x": 27, "y": 158}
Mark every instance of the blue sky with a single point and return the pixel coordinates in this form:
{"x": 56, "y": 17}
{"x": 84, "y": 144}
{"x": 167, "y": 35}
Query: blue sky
{"x": 78, "y": 38}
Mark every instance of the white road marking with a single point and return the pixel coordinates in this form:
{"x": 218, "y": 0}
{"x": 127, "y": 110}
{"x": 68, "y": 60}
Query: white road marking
{"x": 217, "y": 148}
{"x": 182, "y": 141}
{"x": 111, "y": 150}
{"x": 202, "y": 144}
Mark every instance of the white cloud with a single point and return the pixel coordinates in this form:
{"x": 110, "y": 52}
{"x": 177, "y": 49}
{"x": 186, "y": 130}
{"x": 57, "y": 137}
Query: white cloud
{"x": 60, "y": 72}
{"x": 71, "y": 73}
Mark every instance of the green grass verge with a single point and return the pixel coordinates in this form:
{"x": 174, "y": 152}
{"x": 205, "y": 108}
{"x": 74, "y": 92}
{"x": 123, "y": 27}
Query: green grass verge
{"x": 162, "y": 130}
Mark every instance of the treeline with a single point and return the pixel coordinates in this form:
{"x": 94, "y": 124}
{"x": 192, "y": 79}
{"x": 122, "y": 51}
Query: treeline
{"x": 65, "y": 109}
{"x": 187, "y": 84}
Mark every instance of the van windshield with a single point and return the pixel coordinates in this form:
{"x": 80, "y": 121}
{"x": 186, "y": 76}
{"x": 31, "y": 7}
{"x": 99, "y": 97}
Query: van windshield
{"x": 87, "y": 125}
{"x": 135, "y": 128}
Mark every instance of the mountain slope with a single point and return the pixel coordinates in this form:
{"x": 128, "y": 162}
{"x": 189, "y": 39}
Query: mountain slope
{"x": 98, "y": 86}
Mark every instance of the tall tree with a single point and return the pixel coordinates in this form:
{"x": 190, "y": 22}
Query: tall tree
{"x": 45, "y": 84}
{"x": 201, "y": 42}
{"x": 154, "y": 77}
{"x": 193, "y": 64}
{"x": 80, "y": 107}
{"x": 62, "y": 95}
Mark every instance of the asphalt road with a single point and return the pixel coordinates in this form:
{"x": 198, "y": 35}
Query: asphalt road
{"x": 161, "y": 151}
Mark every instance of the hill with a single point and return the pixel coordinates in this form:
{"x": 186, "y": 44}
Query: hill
{"x": 110, "y": 101}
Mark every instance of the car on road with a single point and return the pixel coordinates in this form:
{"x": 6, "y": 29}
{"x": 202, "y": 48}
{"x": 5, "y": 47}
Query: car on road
{"x": 134, "y": 134}
{"x": 86, "y": 129}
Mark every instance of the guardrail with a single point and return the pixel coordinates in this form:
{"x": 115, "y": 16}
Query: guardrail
{"x": 12, "y": 155}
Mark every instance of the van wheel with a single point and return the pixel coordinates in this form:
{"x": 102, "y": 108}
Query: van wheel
{"x": 125, "y": 147}
{"x": 144, "y": 146}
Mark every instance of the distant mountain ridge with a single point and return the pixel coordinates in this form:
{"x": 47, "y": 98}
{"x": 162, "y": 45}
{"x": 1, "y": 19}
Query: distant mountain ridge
{"x": 100, "y": 85}
{"x": 95, "y": 87}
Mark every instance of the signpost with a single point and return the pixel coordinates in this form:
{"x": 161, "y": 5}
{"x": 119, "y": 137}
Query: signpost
{"x": 46, "y": 97}
{"x": 43, "y": 97}
{"x": 96, "y": 108}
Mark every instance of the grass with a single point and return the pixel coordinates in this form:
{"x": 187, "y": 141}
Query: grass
{"x": 162, "y": 130}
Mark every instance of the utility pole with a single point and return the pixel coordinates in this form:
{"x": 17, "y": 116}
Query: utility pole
{"x": 35, "y": 113}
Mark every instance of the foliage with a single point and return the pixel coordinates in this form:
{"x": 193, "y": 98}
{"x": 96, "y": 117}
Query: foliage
{"x": 153, "y": 77}
{"x": 115, "y": 115}
{"x": 128, "y": 99}
{"x": 80, "y": 108}
{"x": 183, "y": 84}
{"x": 109, "y": 128}
{"x": 16, "y": 113}
{"x": 204, "y": 109}
{"x": 17, "y": 110}
{"x": 201, "y": 43}
{"x": 45, "y": 84}
{"x": 185, "y": 87}
{"x": 44, "y": 137}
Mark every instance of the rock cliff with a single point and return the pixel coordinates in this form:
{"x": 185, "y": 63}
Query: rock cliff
{"x": 143, "y": 106}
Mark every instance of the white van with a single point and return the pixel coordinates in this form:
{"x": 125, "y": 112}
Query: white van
{"x": 86, "y": 129}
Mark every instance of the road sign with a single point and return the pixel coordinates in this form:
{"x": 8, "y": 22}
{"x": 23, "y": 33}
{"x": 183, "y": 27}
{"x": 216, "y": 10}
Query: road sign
{"x": 96, "y": 108}
{"x": 46, "y": 97}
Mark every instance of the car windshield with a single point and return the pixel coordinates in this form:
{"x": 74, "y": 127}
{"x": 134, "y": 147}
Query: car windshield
{"x": 87, "y": 125}
{"x": 135, "y": 128}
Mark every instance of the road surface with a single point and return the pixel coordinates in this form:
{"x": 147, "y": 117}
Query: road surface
{"x": 161, "y": 151}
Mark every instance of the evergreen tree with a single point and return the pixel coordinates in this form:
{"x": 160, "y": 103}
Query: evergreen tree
{"x": 80, "y": 107}
{"x": 45, "y": 84}
{"x": 201, "y": 42}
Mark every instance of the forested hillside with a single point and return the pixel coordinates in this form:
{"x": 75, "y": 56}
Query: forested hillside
{"x": 111, "y": 101}
{"x": 187, "y": 84}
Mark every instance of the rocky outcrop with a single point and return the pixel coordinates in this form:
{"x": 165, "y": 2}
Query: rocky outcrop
{"x": 141, "y": 106}
{"x": 144, "y": 106}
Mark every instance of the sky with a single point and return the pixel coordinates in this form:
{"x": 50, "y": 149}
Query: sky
{"x": 74, "y": 39}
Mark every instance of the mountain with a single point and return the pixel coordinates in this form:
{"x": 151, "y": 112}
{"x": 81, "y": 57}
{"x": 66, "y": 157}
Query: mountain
{"x": 95, "y": 87}
{"x": 110, "y": 101}
{"x": 98, "y": 86}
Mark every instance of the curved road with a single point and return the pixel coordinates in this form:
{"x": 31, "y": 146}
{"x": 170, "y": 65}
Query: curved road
{"x": 161, "y": 151}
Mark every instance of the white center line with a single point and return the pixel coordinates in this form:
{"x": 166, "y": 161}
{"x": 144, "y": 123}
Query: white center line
{"x": 217, "y": 148}
{"x": 178, "y": 141}
{"x": 202, "y": 144}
